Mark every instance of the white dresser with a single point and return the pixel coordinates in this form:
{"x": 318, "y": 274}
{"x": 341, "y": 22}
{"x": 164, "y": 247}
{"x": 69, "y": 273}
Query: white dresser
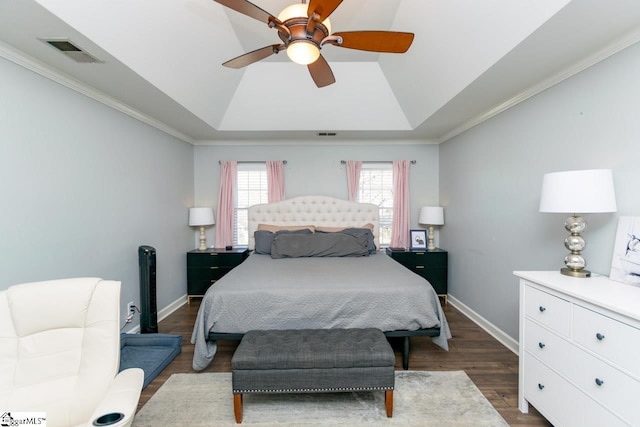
{"x": 579, "y": 349}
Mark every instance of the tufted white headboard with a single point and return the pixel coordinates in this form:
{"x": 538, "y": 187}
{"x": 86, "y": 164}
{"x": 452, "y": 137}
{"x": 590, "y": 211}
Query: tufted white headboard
{"x": 322, "y": 211}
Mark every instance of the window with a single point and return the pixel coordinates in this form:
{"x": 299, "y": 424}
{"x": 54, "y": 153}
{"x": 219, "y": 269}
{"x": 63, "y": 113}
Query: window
{"x": 376, "y": 186}
{"x": 251, "y": 189}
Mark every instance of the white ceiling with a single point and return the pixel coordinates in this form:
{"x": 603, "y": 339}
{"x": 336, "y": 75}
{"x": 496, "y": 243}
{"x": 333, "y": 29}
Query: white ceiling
{"x": 469, "y": 60}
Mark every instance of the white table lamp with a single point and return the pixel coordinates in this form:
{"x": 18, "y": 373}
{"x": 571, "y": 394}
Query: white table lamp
{"x": 431, "y": 215}
{"x": 574, "y": 192}
{"x": 201, "y": 217}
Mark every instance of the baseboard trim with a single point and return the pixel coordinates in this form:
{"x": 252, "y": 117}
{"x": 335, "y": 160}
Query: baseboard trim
{"x": 489, "y": 327}
{"x": 163, "y": 314}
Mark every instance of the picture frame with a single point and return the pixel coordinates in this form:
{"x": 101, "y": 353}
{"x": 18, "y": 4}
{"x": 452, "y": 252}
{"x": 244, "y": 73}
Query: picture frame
{"x": 625, "y": 264}
{"x": 418, "y": 239}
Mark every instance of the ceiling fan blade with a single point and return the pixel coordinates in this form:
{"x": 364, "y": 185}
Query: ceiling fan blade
{"x": 323, "y": 8}
{"x": 247, "y": 8}
{"x": 321, "y": 72}
{"x": 254, "y": 56}
{"x": 376, "y": 41}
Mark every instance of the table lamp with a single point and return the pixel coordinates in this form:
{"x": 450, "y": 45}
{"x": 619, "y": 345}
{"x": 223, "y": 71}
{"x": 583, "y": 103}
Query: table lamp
{"x": 431, "y": 215}
{"x": 583, "y": 191}
{"x": 200, "y": 217}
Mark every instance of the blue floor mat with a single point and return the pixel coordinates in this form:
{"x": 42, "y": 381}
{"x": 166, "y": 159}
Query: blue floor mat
{"x": 150, "y": 352}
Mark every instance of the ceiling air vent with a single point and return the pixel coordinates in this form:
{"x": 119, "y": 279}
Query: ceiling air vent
{"x": 70, "y": 49}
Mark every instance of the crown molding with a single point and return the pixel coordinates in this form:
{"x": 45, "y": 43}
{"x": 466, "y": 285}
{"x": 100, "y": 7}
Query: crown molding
{"x": 628, "y": 40}
{"x": 20, "y": 58}
{"x": 308, "y": 142}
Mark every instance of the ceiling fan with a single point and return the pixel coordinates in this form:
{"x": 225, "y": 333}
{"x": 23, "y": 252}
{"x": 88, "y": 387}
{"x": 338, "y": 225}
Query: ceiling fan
{"x": 305, "y": 29}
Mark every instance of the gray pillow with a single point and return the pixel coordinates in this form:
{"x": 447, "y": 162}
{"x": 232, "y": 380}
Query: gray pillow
{"x": 264, "y": 238}
{"x": 371, "y": 246}
{"x": 318, "y": 245}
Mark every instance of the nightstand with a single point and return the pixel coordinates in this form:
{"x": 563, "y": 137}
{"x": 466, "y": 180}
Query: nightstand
{"x": 432, "y": 265}
{"x": 204, "y": 268}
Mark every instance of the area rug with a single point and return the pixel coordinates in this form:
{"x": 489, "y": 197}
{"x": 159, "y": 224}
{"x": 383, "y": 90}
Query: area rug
{"x": 420, "y": 399}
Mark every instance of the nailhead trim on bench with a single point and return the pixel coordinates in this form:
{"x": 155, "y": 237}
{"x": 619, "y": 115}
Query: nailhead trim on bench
{"x": 311, "y": 390}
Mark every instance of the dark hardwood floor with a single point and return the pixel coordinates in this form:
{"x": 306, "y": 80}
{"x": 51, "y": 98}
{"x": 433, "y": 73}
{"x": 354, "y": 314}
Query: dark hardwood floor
{"x": 491, "y": 366}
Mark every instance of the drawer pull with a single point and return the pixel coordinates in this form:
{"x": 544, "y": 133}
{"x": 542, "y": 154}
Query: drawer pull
{"x": 419, "y": 267}
{"x": 599, "y": 382}
{"x": 214, "y": 267}
{"x": 540, "y": 386}
{"x": 542, "y": 309}
{"x": 214, "y": 254}
{"x": 599, "y": 336}
{"x": 541, "y": 345}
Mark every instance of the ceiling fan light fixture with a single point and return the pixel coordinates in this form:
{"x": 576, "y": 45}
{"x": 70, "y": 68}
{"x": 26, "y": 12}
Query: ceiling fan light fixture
{"x": 303, "y": 52}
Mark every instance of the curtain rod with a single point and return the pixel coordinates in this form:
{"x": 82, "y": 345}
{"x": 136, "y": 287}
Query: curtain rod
{"x": 252, "y": 161}
{"x": 413, "y": 162}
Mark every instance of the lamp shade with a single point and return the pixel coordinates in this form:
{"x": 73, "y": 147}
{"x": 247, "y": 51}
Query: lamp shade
{"x": 431, "y": 215}
{"x": 201, "y": 216}
{"x": 584, "y": 191}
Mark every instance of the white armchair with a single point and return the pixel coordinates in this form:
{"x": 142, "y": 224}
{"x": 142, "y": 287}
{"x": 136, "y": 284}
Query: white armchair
{"x": 60, "y": 353}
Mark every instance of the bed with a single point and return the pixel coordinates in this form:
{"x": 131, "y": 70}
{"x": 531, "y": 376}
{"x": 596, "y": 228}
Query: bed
{"x": 305, "y": 289}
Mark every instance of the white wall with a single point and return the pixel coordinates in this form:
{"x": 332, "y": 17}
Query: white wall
{"x": 490, "y": 180}
{"x": 82, "y": 186}
{"x": 316, "y": 169}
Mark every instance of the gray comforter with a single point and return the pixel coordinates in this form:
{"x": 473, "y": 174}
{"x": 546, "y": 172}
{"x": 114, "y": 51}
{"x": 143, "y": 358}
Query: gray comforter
{"x": 316, "y": 293}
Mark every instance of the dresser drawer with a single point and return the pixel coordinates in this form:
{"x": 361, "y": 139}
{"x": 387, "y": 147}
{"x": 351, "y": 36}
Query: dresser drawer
{"x": 609, "y": 338}
{"x": 553, "y": 350}
{"x": 551, "y": 394}
{"x": 609, "y": 386}
{"x": 549, "y": 310}
{"x": 548, "y": 392}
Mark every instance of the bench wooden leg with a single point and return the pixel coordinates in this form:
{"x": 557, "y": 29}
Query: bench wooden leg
{"x": 237, "y": 407}
{"x": 388, "y": 401}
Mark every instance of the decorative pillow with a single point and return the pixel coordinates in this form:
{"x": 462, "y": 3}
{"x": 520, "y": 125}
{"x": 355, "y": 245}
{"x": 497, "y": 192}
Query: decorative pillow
{"x": 264, "y": 238}
{"x": 274, "y": 228}
{"x": 318, "y": 245}
{"x": 371, "y": 246}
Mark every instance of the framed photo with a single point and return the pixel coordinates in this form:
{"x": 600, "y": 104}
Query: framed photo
{"x": 418, "y": 239}
{"x": 625, "y": 265}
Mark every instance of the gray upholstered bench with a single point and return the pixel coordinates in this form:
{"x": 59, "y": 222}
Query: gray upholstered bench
{"x": 313, "y": 361}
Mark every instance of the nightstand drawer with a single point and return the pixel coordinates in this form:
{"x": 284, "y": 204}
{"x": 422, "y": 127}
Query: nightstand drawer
{"x": 411, "y": 259}
{"x": 206, "y": 267}
{"x": 199, "y": 286}
{"x": 206, "y": 273}
{"x": 437, "y": 276}
{"x": 215, "y": 259}
{"x": 432, "y": 265}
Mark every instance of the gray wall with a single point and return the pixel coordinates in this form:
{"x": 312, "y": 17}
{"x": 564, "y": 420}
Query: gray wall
{"x": 82, "y": 186}
{"x": 316, "y": 169}
{"x": 490, "y": 180}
